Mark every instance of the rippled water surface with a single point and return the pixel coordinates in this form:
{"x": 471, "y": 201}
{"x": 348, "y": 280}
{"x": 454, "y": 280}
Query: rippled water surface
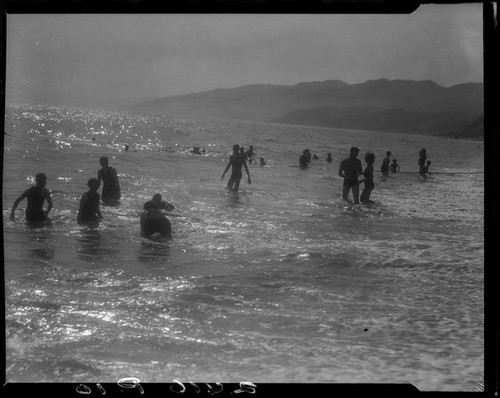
{"x": 279, "y": 283}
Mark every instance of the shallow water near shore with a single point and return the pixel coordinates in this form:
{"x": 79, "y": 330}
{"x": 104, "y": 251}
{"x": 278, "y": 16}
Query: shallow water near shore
{"x": 280, "y": 282}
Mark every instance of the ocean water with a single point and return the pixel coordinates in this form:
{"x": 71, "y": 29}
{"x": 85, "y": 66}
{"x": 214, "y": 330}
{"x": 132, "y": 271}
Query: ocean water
{"x": 278, "y": 283}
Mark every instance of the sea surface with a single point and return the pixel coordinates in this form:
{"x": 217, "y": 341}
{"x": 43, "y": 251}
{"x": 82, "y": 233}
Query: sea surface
{"x": 281, "y": 282}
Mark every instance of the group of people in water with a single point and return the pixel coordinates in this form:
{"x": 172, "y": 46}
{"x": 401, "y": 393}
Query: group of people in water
{"x": 153, "y": 221}
{"x": 351, "y": 169}
{"x": 306, "y": 157}
{"x": 89, "y": 212}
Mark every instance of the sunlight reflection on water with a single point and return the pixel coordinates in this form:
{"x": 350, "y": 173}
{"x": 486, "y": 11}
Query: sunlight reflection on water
{"x": 276, "y": 283}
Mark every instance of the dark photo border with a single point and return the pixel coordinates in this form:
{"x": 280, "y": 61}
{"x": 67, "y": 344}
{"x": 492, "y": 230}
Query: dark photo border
{"x": 131, "y": 387}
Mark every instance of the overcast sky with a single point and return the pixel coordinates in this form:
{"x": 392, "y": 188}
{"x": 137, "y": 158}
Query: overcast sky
{"x": 94, "y": 58}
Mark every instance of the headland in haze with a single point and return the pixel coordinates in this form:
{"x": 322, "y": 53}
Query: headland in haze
{"x": 404, "y": 106}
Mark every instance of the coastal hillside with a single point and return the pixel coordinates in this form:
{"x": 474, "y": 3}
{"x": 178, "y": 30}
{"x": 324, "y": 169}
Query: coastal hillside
{"x": 375, "y": 119}
{"x": 389, "y": 105}
{"x": 475, "y": 129}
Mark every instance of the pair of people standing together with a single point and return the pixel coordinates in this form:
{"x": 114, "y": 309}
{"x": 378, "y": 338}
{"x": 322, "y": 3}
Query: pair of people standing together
{"x": 89, "y": 211}
{"x": 350, "y": 169}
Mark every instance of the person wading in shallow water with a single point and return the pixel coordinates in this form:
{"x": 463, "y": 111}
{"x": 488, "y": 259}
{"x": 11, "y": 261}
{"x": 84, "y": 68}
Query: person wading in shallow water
{"x": 89, "y": 212}
{"x": 394, "y": 166}
{"x": 422, "y": 158}
{"x": 386, "y": 164}
{"x": 111, "y": 187}
{"x": 425, "y": 170}
{"x": 303, "y": 163}
{"x": 152, "y": 219}
{"x": 236, "y": 161}
{"x": 350, "y": 169}
{"x": 368, "y": 180}
{"x": 36, "y": 196}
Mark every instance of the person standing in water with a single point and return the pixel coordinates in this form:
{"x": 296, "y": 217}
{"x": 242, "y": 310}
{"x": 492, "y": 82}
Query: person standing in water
{"x": 250, "y": 155}
{"x": 88, "y": 211}
{"x": 308, "y": 155}
{"x": 386, "y": 164}
{"x": 329, "y": 158}
{"x": 422, "y": 157}
{"x": 111, "y": 187}
{"x": 236, "y": 162}
{"x": 36, "y": 196}
{"x": 152, "y": 219}
{"x": 425, "y": 170}
{"x": 394, "y": 166}
{"x": 368, "y": 180}
{"x": 350, "y": 169}
{"x": 303, "y": 163}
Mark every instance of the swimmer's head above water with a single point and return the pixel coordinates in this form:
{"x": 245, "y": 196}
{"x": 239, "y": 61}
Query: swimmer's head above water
{"x": 93, "y": 184}
{"x": 104, "y": 161}
{"x": 41, "y": 179}
{"x": 370, "y": 157}
{"x": 157, "y": 198}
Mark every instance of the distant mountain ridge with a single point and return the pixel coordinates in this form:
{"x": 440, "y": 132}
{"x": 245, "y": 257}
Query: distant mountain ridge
{"x": 388, "y": 105}
{"x": 388, "y": 120}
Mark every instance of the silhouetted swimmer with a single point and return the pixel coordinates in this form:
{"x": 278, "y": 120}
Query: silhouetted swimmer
{"x": 368, "y": 180}
{"x": 250, "y": 155}
{"x": 425, "y": 170}
{"x": 308, "y": 155}
{"x": 262, "y": 161}
{"x": 153, "y": 220}
{"x": 89, "y": 212}
{"x": 111, "y": 187}
{"x": 303, "y": 163}
{"x": 236, "y": 161}
{"x": 394, "y": 166}
{"x": 385, "y": 164}
{"x": 126, "y": 148}
{"x": 196, "y": 150}
{"x": 422, "y": 157}
{"x": 350, "y": 169}
{"x": 329, "y": 158}
{"x": 315, "y": 157}
{"x": 36, "y": 196}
